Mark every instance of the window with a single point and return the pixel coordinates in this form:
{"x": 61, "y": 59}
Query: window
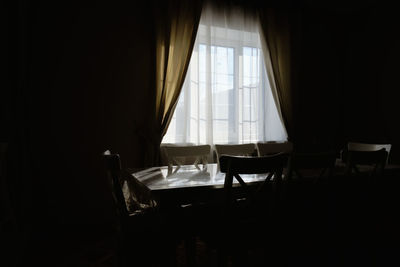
{"x": 226, "y": 96}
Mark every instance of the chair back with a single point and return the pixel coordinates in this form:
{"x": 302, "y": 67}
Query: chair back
{"x": 234, "y": 150}
{"x": 233, "y": 166}
{"x": 269, "y": 148}
{"x": 356, "y": 146}
{"x": 178, "y": 155}
{"x": 366, "y": 162}
{"x": 311, "y": 165}
{"x": 113, "y": 169}
{"x": 163, "y": 153}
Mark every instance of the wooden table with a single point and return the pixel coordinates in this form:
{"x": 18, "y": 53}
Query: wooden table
{"x": 318, "y": 214}
{"x": 158, "y": 179}
{"x": 189, "y": 184}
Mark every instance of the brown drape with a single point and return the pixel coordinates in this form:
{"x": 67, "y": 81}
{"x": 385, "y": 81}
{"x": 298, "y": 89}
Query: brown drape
{"x": 176, "y": 28}
{"x": 278, "y": 31}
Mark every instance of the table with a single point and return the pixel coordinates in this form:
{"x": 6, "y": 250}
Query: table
{"x": 157, "y": 178}
{"x": 333, "y": 211}
{"x": 189, "y": 184}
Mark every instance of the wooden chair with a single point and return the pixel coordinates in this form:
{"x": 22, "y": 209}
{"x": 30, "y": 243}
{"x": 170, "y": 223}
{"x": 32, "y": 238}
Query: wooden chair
{"x": 365, "y": 189}
{"x": 272, "y": 166}
{"x": 138, "y": 231}
{"x": 163, "y": 153}
{"x": 316, "y": 165}
{"x": 357, "y": 146}
{"x": 178, "y": 155}
{"x": 248, "y": 213}
{"x": 269, "y": 148}
{"x": 370, "y": 163}
{"x": 183, "y": 218}
{"x": 234, "y": 150}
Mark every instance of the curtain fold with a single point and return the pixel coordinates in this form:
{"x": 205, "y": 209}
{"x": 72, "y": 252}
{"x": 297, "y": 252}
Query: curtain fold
{"x": 278, "y": 34}
{"x": 176, "y": 23}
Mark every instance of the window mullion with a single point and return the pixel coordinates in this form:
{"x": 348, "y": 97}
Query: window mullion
{"x": 238, "y": 85}
{"x": 187, "y": 107}
{"x": 261, "y": 97}
{"x": 209, "y": 120}
{"x": 198, "y": 93}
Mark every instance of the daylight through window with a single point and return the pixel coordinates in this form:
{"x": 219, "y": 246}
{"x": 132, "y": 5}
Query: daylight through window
{"x": 226, "y": 97}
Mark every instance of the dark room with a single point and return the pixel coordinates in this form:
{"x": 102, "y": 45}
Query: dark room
{"x": 199, "y": 133}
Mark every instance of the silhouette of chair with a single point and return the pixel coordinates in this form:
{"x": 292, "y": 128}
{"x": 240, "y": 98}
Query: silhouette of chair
{"x": 365, "y": 188}
{"x": 360, "y": 158}
{"x": 315, "y": 165}
{"x": 367, "y": 147}
{"x": 269, "y": 148}
{"x": 178, "y": 155}
{"x": 163, "y": 155}
{"x": 248, "y": 211}
{"x": 234, "y": 150}
{"x": 356, "y": 146}
{"x": 184, "y": 217}
{"x": 138, "y": 227}
{"x": 370, "y": 163}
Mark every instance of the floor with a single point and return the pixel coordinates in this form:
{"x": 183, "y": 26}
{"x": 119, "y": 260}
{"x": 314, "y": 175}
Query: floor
{"x": 321, "y": 226}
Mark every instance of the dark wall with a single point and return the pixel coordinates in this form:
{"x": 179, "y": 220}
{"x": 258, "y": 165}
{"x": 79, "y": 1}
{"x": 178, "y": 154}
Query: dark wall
{"x": 90, "y": 71}
{"x": 347, "y": 87}
{"x": 80, "y": 80}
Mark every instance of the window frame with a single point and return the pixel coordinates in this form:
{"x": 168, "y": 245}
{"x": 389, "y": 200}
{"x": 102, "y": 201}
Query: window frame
{"x": 236, "y": 136}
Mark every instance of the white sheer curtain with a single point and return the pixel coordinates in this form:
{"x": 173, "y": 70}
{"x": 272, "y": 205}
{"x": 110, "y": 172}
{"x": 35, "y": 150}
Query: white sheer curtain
{"x": 226, "y": 96}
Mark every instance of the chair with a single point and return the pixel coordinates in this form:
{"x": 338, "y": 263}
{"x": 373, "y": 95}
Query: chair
{"x": 178, "y": 155}
{"x": 248, "y": 208}
{"x": 269, "y": 148}
{"x": 356, "y": 146}
{"x": 183, "y": 217}
{"x": 365, "y": 187}
{"x": 233, "y": 166}
{"x": 139, "y": 230}
{"x": 371, "y": 163}
{"x": 163, "y": 154}
{"x": 234, "y": 150}
{"x": 314, "y": 165}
